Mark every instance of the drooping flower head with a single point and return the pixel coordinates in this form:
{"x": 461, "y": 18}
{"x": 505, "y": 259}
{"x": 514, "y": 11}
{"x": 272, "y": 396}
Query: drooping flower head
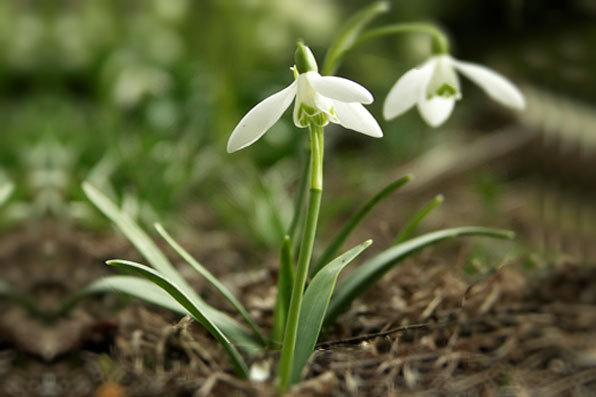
{"x": 434, "y": 87}
{"x": 319, "y": 100}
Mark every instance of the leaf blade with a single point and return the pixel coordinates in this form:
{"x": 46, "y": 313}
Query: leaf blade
{"x": 135, "y": 235}
{"x": 314, "y": 306}
{"x": 348, "y": 35}
{"x": 410, "y": 228}
{"x": 212, "y": 280}
{"x": 145, "y": 245}
{"x": 355, "y": 219}
{"x": 285, "y": 283}
{"x": 5, "y": 191}
{"x": 195, "y": 309}
{"x": 362, "y": 278}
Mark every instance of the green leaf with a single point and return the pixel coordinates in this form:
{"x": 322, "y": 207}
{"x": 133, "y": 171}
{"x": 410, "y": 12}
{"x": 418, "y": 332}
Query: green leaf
{"x": 5, "y": 192}
{"x": 354, "y": 220}
{"x": 410, "y": 228}
{"x": 284, "y": 290}
{"x": 134, "y": 286}
{"x": 149, "y": 292}
{"x": 349, "y": 33}
{"x": 195, "y": 308}
{"x": 366, "y": 275}
{"x": 212, "y": 280}
{"x": 158, "y": 260}
{"x": 314, "y": 306}
{"x": 135, "y": 235}
{"x": 6, "y": 290}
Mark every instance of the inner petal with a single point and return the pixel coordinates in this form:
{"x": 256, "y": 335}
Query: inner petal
{"x": 444, "y": 81}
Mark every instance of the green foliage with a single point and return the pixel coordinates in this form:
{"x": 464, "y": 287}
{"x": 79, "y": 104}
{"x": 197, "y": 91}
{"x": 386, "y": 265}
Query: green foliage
{"x": 213, "y": 281}
{"x": 349, "y": 34}
{"x": 314, "y": 307}
{"x": 367, "y": 274}
{"x": 355, "y": 219}
{"x": 5, "y": 191}
{"x": 196, "y": 308}
{"x": 143, "y": 243}
{"x": 410, "y": 228}
{"x": 284, "y": 290}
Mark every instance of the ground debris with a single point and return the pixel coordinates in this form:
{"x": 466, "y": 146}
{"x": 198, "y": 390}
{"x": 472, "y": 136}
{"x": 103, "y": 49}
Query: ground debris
{"x": 426, "y": 330}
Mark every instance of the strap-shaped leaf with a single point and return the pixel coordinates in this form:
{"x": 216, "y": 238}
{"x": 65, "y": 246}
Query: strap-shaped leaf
{"x": 6, "y": 290}
{"x": 366, "y": 275}
{"x": 158, "y": 261}
{"x": 135, "y": 235}
{"x": 195, "y": 308}
{"x": 410, "y": 228}
{"x": 354, "y": 220}
{"x": 348, "y": 35}
{"x": 149, "y": 292}
{"x": 314, "y": 306}
{"x": 134, "y": 286}
{"x": 284, "y": 290}
{"x": 212, "y": 280}
{"x": 5, "y": 191}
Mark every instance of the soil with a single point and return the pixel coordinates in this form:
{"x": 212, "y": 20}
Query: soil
{"x": 426, "y": 330}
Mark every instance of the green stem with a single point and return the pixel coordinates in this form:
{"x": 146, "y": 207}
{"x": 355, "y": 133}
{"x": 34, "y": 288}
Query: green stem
{"x": 349, "y": 33}
{"x": 299, "y": 205}
{"x": 306, "y": 248}
{"x": 440, "y": 40}
{"x": 284, "y": 290}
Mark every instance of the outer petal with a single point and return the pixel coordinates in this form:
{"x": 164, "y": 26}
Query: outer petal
{"x": 407, "y": 90}
{"x": 355, "y": 117}
{"x": 339, "y": 88}
{"x": 260, "y": 118}
{"x": 436, "y": 110}
{"x": 495, "y": 85}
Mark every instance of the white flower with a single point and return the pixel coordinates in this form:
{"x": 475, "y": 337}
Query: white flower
{"x": 434, "y": 87}
{"x": 319, "y": 100}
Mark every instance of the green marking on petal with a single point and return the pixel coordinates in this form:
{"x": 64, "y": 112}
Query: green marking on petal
{"x": 308, "y": 115}
{"x": 446, "y": 90}
{"x": 320, "y": 119}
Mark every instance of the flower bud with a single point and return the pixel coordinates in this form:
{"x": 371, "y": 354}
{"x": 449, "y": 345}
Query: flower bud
{"x": 305, "y": 60}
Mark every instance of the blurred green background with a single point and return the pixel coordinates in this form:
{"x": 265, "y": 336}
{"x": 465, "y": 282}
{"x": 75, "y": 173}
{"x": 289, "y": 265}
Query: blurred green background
{"x": 140, "y": 96}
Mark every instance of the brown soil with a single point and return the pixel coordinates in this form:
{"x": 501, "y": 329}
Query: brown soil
{"x": 426, "y": 330}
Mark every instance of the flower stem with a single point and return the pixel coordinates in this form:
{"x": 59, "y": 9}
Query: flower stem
{"x": 304, "y": 258}
{"x": 303, "y": 187}
{"x": 440, "y": 40}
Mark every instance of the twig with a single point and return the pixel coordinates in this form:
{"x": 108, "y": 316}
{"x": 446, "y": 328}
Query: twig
{"x": 362, "y": 338}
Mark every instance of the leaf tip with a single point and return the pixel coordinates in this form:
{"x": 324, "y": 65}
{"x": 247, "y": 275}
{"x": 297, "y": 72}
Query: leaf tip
{"x": 383, "y": 6}
{"x": 367, "y": 243}
{"x": 86, "y": 186}
{"x": 439, "y": 198}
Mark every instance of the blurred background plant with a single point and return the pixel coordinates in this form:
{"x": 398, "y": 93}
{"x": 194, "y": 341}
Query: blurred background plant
{"x": 140, "y": 96}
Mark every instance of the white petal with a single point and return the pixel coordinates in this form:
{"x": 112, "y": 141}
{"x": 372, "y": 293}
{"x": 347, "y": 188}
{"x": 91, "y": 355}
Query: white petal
{"x": 495, "y": 85}
{"x": 443, "y": 75}
{"x": 339, "y": 88}
{"x": 355, "y": 117}
{"x": 436, "y": 110}
{"x": 260, "y": 118}
{"x": 406, "y": 91}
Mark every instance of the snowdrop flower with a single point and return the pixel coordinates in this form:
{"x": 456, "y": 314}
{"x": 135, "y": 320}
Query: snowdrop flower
{"x": 434, "y": 87}
{"x": 319, "y": 100}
